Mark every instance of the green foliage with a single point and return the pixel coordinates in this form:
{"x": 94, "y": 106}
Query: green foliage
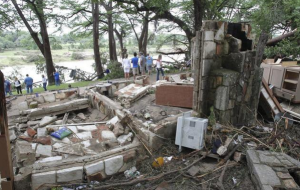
{"x": 32, "y": 58}
{"x": 287, "y": 47}
{"x": 212, "y": 117}
{"x": 116, "y": 70}
{"x": 77, "y": 56}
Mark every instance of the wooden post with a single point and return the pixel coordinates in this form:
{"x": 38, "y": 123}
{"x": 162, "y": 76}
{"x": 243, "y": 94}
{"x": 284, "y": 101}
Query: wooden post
{"x": 6, "y": 169}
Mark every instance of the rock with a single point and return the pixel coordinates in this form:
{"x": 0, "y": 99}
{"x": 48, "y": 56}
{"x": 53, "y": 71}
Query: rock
{"x": 12, "y": 135}
{"x": 70, "y": 174}
{"x": 81, "y": 116}
{"x": 24, "y": 153}
{"x": 23, "y": 106}
{"x": 44, "y": 150}
{"x": 108, "y": 135}
{"x": 47, "y": 120}
{"x": 49, "y": 98}
{"x": 147, "y": 116}
{"x": 31, "y": 132}
{"x": 39, "y": 99}
{"x": 39, "y": 179}
{"x": 125, "y": 138}
{"x": 113, "y": 121}
{"x": 33, "y": 105}
{"x": 221, "y": 150}
{"x": 58, "y": 122}
{"x": 194, "y": 170}
{"x": 43, "y": 140}
{"x": 84, "y": 135}
{"x": 87, "y": 128}
{"x": 49, "y": 159}
{"x": 118, "y": 129}
{"x": 41, "y": 132}
{"x": 112, "y": 165}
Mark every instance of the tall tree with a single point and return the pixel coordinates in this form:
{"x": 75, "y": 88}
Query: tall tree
{"x": 95, "y": 10}
{"x": 37, "y": 7}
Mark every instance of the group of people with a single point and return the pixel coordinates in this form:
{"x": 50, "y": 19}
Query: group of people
{"x": 141, "y": 64}
{"x": 28, "y": 81}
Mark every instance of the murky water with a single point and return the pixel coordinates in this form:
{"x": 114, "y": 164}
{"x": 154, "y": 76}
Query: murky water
{"x": 85, "y": 65}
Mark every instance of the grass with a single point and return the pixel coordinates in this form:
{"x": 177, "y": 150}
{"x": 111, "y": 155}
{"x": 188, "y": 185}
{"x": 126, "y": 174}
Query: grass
{"x": 61, "y": 87}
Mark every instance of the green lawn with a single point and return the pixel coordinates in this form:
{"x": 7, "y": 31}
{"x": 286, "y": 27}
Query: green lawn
{"x": 61, "y": 87}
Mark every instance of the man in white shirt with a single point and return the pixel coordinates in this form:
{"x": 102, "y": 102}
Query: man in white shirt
{"x": 44, "y": 80}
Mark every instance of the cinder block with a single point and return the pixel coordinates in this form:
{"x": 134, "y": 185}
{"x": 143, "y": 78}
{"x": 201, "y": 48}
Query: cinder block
{"x": 44, "y": 150}
{"x": 70, "y": 174}
{"x": 94, "y": 168}
{"x": 49, "y": 98}
{"x": 208, "y": 35}
{"x": 112, "y": 165}
{"x": 40, "y": 179}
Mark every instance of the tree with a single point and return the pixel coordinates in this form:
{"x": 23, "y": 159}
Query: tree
{"x": 95, "y": 10}
{"x": 37, "y": 7}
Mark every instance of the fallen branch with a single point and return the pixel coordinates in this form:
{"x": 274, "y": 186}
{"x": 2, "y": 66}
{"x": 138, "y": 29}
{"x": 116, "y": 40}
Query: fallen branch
{"x": 140, "y": 180}
{"x": 229, "y": 155}
{"x": 220, "y": 181}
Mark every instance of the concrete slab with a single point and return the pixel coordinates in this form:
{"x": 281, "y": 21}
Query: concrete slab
{"x": 70, "y": 174}
{"x": 94, "y": 168}
{"x": 40, "y": 179}
{"x": 44, "y": 150}
{"x": 112, "y": 165}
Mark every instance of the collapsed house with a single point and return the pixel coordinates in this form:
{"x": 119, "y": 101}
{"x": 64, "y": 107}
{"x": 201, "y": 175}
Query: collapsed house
{"x": 87, "y": 135}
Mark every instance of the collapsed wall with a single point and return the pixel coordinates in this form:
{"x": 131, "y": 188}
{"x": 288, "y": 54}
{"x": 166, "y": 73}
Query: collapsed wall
{"x": 227, "y": 75}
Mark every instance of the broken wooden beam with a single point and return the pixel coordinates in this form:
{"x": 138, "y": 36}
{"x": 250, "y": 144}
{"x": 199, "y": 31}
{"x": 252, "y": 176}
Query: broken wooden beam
{"x": 277, "y": 39}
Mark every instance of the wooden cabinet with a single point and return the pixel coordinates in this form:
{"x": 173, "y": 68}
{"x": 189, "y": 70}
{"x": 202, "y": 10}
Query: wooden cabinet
{"x": 276, "y": 76}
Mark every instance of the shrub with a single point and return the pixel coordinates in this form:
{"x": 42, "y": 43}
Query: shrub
{"x": 33, "y": 58}
{"x": 77, "y": 56}
{"x": 116, "y": 70}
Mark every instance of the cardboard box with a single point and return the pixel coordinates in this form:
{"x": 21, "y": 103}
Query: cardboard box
{"x": 289, "y": 63}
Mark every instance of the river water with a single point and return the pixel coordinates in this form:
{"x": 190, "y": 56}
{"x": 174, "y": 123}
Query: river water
{"x": 85, "y": 65}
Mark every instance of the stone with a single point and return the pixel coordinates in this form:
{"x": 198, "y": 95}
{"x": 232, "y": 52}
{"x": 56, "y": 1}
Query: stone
{"x": 125, "y": 138}
{"x": 112, "y": 165}
{"x": 209, "y": 35}
{"x": 12, "y": 135}
{"x": 39, "y": 179}
{"x": 44, "y": 150}
{"x": 47, "y": 120}
{"x": 269, "y": 160}
{"x": 43, "y": 140}
{"x": 87, "y": 128}
{"x": 70, "y": 174}
{"x": 94, "y": 168}
{"x": 194, "y": 170}
{"x": 60, "y": 96}
{"x": 221, "y": 150}
{"x": 267, "y": 187}
{"x": 41, "y": 132}
{"x": 284, "y": 175}
{"x": 25, "y": 138}
{"x": 290, "y": 183}
{"x": 33, "y": 105}
{"x": 49, "y": 159}
{"x": 265, "y": 175}
{"x": 31, "y": 132}
{"x": 49, "y": 98}
{"x": 84, "y": 135}
{"x": 96, "y": 177}
{"x": 113, "y": 121}
{"x": 108, "y": 135}
{"x": 23, "y": 106}
{"x": 58, "y": 122}
{"x": 210, "y": 50}
{"x": 81, "y": 116}
{"x": 39, "y": 99}
{"x": 24, "y": 153}
{"x": 22, "y": 181}
{"x": 252, "y": 157}
{"x": 222, "y": 98}
{"x": 73, "y": 129}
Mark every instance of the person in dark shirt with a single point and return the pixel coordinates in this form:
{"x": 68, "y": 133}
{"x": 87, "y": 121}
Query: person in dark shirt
{"x": 28, "y": 82}
{"x": 7, "y": 87}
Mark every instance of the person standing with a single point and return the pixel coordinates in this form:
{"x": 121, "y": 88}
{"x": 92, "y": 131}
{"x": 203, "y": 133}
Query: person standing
{"x": 135, "y": 66}
{"x": 159, "y": 67}
{"x": 142, "y": 63}
{"x": 44, "y": 81}
{"x": 7, "y": 87}
{"x": 149, "y": 63}
{"x": 56, "y": 78}
{"x": 28, "y": 82}
{"x": 18, "y": 86}
{"x": 126, "y": 65}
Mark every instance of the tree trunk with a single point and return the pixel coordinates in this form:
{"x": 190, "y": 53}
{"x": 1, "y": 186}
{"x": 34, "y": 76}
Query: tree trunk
{"x": 33, "y": 34}
{"x": 143, "y": 40}
{"x": 198, "y": 14}
{"x": 111, "y": 38}
{"x": 46, "y": 43}
{"x": 120, "y": 37}
{"x": 95, "y": 10}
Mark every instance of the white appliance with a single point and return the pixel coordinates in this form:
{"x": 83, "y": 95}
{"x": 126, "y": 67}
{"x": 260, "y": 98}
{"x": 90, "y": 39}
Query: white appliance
{"x": 191, "y": 131}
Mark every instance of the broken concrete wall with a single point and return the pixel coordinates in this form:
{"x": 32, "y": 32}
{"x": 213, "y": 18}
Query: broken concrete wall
{"x": 225, "y": 78}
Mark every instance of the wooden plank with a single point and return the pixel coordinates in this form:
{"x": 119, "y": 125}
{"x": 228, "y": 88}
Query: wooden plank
{"x": 266, "y": 86}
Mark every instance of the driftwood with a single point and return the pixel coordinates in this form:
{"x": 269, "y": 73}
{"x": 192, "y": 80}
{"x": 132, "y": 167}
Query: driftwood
{"x": 274, "y": 41}
{"x": 57, "y": 109}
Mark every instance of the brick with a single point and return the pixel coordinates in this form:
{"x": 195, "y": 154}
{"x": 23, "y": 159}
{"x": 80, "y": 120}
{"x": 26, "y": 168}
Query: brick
{"x": 265, "y": 175}
{"x": 70, "y": 174}
{"x": 44, "y": 150}
{"x": 94, "y": 168}
{"x": 174, "y": 95}
{"x": 290, "y": 183}
{"x": 30, "y": 132}
{"x": 252, "y": 157}
{"x": 112, "y": 165}
{"x": 267, "y": 187}
{"x": 40, "y": 179}
{"x": 284, "y": 175}
{"x": 269, "y": 160}
{"x": 128, "y": 157}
